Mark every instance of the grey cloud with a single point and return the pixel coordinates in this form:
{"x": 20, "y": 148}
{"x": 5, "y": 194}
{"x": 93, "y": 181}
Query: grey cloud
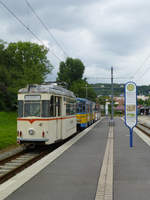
{"x": 101, "y": 33}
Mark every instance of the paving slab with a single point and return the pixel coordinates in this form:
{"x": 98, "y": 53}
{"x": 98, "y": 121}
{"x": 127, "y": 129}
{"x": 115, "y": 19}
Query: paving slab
{"x": 74, "y": 175}
{"x": 131, "y": 166}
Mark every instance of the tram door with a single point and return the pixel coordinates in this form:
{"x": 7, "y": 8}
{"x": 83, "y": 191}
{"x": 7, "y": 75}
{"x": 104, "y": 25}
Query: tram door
{"x": 58, "y": 103}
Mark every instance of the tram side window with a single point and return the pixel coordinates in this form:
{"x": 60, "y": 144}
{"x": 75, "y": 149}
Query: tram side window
{"x": 59, "y": 106}
{"x": 70, "y": 106}
{"x": 67, "y": 109}
{"x": 87, "y": 108}
{"x": 20, "y": 108}
{"x": 90, "y": 108}
{"x": 75, "y": 107}
{"x": 53, "y": 106}
{"x": 45, "y": 108}
{"x": 72, "y": 109}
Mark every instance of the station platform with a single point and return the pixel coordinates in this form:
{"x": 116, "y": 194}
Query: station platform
{"x": 83, "y": 171}
{"x": 131, "y": 165}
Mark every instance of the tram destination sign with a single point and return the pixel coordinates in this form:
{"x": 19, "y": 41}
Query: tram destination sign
{"x": 130, "y": 104}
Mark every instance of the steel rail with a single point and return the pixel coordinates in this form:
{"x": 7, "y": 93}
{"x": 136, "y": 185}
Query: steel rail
{"x": 145, "y": 129}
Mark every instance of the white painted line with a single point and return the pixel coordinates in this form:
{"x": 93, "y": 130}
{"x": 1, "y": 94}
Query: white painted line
{"x": 105, "y": 183}
{"x": 15, "y": 182}
{"x": 144, "y": 137}
{"x": 4, "y": 187}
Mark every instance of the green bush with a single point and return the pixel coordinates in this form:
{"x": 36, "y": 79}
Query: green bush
{"x": 8, "y": 129}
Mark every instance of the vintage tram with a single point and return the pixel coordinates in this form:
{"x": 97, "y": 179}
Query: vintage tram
{"x": 46, "y": 114}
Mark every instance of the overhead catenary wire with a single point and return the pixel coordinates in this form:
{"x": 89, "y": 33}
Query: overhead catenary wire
{"x": 46, "y": 28}
{"x": 109, "y": 77}
{"x": 141, "y": 66}
{"x": 146, "y": 70}
{"x": 26, "y": 27}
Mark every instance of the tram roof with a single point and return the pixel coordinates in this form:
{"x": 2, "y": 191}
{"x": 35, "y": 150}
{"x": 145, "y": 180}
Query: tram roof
{"x": 47, "y": 88}
{"x": 84, "y": 100}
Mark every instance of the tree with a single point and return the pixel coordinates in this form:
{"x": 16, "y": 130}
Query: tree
{"x": 147, "y": 102}
{"x": 79, "y": 89}
{"x": 70, "y": 71}
{"x": 102, "y": 99}
{"x": 140, "y": 102}
{"x": 22, "y": 63}
{"x": 91, "y": 93}
{"x": 28, "y": 61}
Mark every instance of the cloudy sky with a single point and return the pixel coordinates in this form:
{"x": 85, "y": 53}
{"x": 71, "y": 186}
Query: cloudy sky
{"x": 102, "y": 33}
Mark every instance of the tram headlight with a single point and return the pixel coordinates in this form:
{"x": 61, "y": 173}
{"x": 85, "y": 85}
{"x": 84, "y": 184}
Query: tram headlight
{"x": 31, "y": 132}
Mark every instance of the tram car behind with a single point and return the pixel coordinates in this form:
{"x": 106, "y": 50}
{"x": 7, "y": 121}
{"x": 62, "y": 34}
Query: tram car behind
{"x": 46, "y": 114}
{"x": 84, "y": 113}
{"x": 97, "y": 112}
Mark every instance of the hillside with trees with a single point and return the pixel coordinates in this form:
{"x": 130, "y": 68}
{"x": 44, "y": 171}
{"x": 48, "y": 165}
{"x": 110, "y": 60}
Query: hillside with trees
{"x": 105, "y": 89}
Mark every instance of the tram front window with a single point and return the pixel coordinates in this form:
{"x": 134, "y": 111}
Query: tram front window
{"x": 83, "y": 109}
{"x": 79, "y": 107}
{"x": 32, "y": 109}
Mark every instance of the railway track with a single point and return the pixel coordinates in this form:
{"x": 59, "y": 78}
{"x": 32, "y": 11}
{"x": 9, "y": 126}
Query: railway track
{"x": 18, "y": 162}
{"x": 145, "y": 128}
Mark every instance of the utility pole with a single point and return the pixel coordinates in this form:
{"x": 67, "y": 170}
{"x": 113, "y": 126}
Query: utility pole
{"x": 86, "y": 91}
{"x": 112, "y": 99}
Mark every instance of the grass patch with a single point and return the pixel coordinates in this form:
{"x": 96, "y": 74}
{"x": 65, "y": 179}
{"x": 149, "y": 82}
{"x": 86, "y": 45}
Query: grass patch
{"x": 8, "y": 129}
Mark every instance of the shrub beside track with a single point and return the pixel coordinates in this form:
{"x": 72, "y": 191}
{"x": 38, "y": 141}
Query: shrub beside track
{"x": 8, "y": 129}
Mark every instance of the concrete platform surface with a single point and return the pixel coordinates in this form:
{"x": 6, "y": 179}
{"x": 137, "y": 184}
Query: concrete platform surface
{"x": 74, "y": 175}
{"x": 131, "y": 166}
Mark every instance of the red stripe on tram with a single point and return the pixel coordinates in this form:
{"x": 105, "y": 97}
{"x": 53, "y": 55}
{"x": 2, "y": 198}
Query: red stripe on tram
{"x": 48, "y": 119}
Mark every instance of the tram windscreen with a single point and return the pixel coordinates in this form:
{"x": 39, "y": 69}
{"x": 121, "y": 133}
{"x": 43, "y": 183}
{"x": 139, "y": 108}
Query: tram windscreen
{"x": 32, "y": 108}
{"x": 80, "y": 107}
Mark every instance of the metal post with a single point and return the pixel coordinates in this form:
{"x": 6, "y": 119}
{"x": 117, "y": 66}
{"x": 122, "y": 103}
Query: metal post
{"x": 131, "y": 137}
{"x": 112, "y": 99}
{"x": 86, "y": 92}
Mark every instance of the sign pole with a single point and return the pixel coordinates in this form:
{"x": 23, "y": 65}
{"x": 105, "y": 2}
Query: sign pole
{"x": 131, "y": 137}
{"x": 112, "y": 96}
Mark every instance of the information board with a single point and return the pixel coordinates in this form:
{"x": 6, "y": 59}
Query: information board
{"x": 130, "y": 108}
{"x": 130, "y": 104}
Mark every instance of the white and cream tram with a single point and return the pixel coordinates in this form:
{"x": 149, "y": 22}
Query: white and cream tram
{"x": 46, "y": 114}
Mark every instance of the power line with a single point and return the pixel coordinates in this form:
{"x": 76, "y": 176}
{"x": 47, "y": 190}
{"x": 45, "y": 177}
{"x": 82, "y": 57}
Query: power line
{"x": 141, "y": 66}
{"x": 109, "y": 78}
{"x": 45, "y": 26}
{"x": 146, "y": 70}
{"x": 27, "y": 28}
